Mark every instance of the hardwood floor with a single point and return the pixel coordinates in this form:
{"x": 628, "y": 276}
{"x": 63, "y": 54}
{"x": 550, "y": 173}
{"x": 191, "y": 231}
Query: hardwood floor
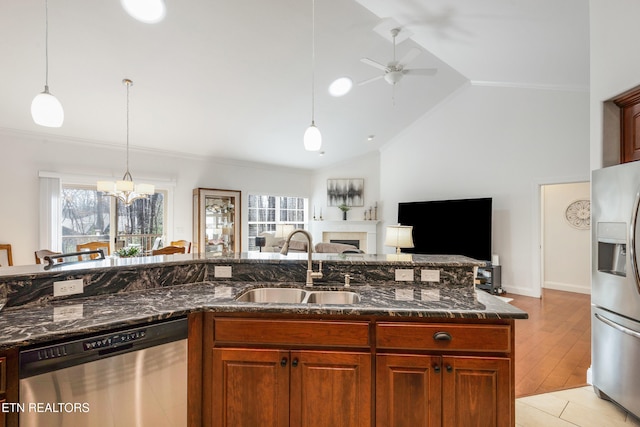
{"x": 553, "y": 346}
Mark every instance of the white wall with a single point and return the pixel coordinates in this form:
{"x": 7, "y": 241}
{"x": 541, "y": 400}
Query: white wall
{"x": 567, "y": 250}
{"x": 23, "y": 156}
{"x": 493, "y": 142}
{"x": 615, "y": 60}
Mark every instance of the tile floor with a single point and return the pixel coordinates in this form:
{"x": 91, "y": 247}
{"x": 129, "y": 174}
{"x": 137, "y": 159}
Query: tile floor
{"x": 570, "y": 408}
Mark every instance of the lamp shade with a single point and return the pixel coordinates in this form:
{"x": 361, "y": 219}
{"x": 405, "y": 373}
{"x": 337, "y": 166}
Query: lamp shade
{"x": 312, "y": 138}
{"x": 46, "y": 110}
{"x": 399, "y": 236}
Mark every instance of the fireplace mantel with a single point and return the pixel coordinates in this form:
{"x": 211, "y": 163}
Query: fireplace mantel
{"x": 366, "y": 232}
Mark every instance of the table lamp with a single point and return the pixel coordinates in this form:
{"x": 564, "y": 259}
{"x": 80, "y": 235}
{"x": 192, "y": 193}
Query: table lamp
{"x": 399, "y": 236}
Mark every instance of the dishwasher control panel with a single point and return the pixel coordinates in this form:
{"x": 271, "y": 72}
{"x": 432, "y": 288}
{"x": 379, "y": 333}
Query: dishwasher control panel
{"x": 114, "y": 340}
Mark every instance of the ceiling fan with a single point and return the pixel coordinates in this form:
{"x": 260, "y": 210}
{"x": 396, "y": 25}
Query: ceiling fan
{"x": 395, "y": 70}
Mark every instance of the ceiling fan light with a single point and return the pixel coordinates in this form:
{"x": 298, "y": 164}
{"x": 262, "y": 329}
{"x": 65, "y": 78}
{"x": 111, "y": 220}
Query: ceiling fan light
{"x": 393, "y": 77}
{"x": 46, "y": 110}
{"x": 340, "y": 86}
{"x": 312, "y": 138}
{"x": 147, "y": 11}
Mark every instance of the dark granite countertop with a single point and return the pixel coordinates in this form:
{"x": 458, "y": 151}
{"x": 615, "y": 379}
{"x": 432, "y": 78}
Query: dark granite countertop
{"x": 53, "y": 321}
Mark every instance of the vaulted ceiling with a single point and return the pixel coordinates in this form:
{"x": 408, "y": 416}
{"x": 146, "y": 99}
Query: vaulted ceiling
{"x": 232, "y": 79}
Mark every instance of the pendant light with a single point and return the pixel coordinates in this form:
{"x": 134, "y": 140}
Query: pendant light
{"x": 125, "y": 190}
{"x": 46, "y": 110}
{"x": 312, "y": 136}
{"x": 147, "y": 11}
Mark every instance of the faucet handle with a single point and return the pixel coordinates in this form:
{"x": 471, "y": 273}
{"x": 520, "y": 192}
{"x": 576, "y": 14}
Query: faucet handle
{"x": 347, "y": 280}
{"x": 319, "y": 265}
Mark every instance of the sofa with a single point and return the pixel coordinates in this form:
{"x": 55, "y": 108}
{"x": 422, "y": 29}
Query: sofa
{"x": 299, "y": 243}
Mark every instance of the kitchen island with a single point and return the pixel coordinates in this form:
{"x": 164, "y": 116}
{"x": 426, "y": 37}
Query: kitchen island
{"x": 437, "y": 328}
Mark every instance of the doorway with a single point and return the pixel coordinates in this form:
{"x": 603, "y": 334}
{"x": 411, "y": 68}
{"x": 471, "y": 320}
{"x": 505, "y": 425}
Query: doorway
{"x": 565, "y": 236}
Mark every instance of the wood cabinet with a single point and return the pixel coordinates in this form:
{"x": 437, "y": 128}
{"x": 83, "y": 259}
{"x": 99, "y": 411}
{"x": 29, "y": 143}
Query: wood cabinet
{"x": 296, "y": 384}
{"x": 216, "y": 221}
{"x": 8, "y": 387}
{"x": 447, "y": 389}
{"x": 279, "y": 388}
{"x": 302, "y": 371}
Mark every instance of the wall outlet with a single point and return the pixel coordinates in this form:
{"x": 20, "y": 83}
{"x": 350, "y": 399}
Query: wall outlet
{"x": 404, "y": 274}
{"x": 68, "y": 287}
{"x": 430, "y": 275}
{"x": 222, "y": 271}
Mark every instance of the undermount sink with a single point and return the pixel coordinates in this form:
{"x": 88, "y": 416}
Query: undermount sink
{"x": 333, "y": 297}
{"x": 279, "y": 295}
{"x": 298, "y": 296}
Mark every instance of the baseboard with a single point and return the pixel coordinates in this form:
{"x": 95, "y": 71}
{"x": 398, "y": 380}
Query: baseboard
{"x": 568, "y": 287}
{"x": 527, "y": 292}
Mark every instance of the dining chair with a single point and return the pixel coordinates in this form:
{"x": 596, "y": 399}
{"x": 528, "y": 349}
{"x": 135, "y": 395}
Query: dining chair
{"x": 43, "y": 253}
{"x": 182, "y": 243}
{"x": 168, "y": 250}
{"x": 93, "y": 246}
{"x": 6, "y": 259}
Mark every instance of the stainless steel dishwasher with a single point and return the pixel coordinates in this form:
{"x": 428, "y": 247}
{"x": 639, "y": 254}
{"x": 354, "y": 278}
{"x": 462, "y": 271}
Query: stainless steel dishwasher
{"x": 134, "y": 377}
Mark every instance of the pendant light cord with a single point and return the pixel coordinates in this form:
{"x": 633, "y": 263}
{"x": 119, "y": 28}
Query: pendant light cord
{"x": 313, "y": 60}
{"x": 46, "y": 45}
{"x": 127, "y": 174}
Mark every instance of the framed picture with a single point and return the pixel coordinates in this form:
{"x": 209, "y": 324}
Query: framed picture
{"x": 349, "y": 191}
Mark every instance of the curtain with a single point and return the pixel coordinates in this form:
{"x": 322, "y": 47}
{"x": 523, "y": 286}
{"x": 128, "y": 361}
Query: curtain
{"x": 50, "y": 211}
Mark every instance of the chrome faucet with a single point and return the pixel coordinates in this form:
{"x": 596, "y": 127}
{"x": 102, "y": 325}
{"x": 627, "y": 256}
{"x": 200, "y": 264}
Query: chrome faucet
{"x": 310, "y": 273}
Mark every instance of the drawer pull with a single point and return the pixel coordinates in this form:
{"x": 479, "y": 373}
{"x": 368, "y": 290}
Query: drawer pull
{"x": 442, "y": 336}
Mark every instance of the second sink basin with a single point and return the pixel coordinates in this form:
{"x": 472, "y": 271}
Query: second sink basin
{"x": 298, "y": 296}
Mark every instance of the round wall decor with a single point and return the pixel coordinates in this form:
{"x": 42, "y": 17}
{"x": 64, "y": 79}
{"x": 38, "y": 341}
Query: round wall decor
{"x": 578, "y": 214}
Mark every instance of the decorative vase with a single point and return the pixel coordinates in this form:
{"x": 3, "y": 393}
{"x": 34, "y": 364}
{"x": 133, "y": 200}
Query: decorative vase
{"x": 344, "y": 215}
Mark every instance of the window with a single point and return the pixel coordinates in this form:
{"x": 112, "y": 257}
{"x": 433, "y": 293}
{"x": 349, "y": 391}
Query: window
{"x": 267, "y": 211}
{"x": 89, "y": 215}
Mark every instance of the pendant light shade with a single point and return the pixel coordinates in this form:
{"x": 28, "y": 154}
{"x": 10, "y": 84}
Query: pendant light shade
{"x": 312, "y": 138}
{"x": 46, "y": 110}
{"x": 147, "y": 11}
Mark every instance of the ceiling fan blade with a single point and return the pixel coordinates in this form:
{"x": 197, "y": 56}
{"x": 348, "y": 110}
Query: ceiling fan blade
{"x": 373, "y": 79}
{"x": 410, "y": 56}
{"x": 421, "y": 71}
{"x": 374, "y": 64}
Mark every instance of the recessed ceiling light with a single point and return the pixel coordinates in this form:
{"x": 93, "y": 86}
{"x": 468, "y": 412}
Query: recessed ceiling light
{"x": 371, "y": 137}
{"x": 341, "y": 86}
{"x": 147, "y": 11}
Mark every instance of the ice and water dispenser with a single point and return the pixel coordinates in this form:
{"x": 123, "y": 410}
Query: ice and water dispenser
{"x": 612, "y": 247}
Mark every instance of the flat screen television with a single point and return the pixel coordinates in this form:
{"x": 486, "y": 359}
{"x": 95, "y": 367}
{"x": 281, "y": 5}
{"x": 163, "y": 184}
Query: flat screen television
{"x": 449, "y": 227}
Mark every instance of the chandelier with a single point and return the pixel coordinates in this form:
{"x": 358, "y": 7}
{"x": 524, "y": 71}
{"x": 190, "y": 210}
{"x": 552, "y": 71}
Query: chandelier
{"x": 125, "y": 190}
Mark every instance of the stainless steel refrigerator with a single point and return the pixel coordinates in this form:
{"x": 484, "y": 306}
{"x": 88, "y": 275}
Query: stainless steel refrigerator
{"x": 615, "y": 294}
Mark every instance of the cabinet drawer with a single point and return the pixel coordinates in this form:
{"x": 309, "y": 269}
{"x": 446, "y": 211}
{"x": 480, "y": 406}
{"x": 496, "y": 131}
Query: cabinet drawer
{"x": 3, "y": 375}
{"x": 480, "y": 338}
{"x": 291, "y": 333}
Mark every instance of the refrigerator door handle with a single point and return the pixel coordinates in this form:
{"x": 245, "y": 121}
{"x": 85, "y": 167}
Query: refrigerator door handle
{"x": 632, "y": 238}
{"x": 618, "y": 326}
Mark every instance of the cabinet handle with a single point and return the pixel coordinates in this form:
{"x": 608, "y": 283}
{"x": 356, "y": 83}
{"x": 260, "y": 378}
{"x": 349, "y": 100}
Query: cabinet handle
{"x": 449, "y": 368}
{"x": 294, "y": 362}
{"x": 442, "y": 336}
{"x": 283, "y": 362}
{"x": 436, "y": 369}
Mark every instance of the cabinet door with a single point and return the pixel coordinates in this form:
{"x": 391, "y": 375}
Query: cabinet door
{"x": 408, "y": 391}
{"x": 250, "y": 388}
{"x": 330, "y": 389}
{"x": 476, "y": 392}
